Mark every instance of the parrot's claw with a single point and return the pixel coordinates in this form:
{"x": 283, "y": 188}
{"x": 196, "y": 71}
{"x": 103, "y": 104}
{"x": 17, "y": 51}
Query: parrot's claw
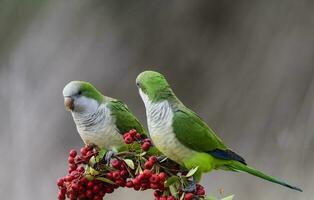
{"x": 109, "y": 155}
{"x": 161, "y": 158}
{"x": 191, "y": 187}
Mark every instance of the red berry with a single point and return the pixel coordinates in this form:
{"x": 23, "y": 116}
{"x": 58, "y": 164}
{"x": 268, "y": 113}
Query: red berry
{"x": 60, "y": 182}
{"x": 153, "y": 159}
{"x": 90, "y": 185}
{"x": 200, "y": 192}
{"x": 128, "y": 140}
{"x": 109, "y": 175}
{"x": 83, "y": 151}
{"x": 69, "y": 178}
{"x": 146, "y": 146}
{"x": 88, "y": 147}
{"x": 171, "y": 198}
{"x": 188, "y": 196}
{"x": 157, "y": 193}
{"x": 126, "y": 135}
{"x": 115, "y": 164}
{"x": 129, "y": 184}
{"x": 137, "y": 136}
{"x": 147, "y": 173}
{"x": 75, "y": 186}
{"x": 89, "y": 154}
{"x": 132, "y": 132}
{"x": 141, "y": 177}
{"x": 154, "y": 178}
{"x": 162, "y": 176}
{"x": 83, "y": 180}
{"x": 120, "y": 182}
{"x": 96, "y": 189}
{"x": 109, "y": 190}
{"x": 136, "y": 181}
{"x": 89, "y": 193}
{"x": 71, "y": 160}
{"x": 73, "y": 153}
{"x": 61, "y": 196}
{"x": 116, "y": 174}
{"x": 102, "y": 193}
{"x": 154, "y": 186}
{"x": 97, "y": 198}
{"x": 72, "y": 167}
{"x": 162, "y": 198}
{"x": 148, "y": 165}
{"x": 144, "y": 186}
{"x": 80, "y": 169}
{"x": 148, "y": 140}
{"x": 124, "y": 173}
{"x": 137, "y": 187}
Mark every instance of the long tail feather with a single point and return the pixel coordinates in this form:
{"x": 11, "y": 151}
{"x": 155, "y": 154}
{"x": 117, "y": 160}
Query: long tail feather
{"x": 244, "y": 168}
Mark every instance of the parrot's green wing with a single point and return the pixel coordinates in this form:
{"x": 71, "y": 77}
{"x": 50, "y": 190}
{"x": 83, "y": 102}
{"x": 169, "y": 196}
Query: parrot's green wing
{"x": 125, "y": 120}
{"x": 194, "y": 133}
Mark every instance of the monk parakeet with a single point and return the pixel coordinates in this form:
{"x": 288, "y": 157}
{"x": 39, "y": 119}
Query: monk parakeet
{"x": 183, "y": 136}
{"x": 100, "y": 120}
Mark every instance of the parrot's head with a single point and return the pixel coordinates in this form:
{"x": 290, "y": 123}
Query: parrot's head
{"x": 81, "y": 96}
{"x": 153, "y": 86}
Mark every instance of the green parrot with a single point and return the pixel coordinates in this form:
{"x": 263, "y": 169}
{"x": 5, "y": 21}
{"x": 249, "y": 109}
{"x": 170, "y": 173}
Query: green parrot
{"x": 183, "y": 136}
{"x": 100, "y": 120}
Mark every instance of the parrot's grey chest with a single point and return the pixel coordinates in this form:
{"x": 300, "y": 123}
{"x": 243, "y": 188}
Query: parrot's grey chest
{"x": 99, "y": 128}
{"x": 159, "y": 119}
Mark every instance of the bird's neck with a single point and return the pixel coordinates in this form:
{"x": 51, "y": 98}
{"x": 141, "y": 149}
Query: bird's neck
{"x": 89, "y": 120}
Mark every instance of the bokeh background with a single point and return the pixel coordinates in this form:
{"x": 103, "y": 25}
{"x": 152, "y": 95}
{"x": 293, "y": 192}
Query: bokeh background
{"x": 247, "y": 67}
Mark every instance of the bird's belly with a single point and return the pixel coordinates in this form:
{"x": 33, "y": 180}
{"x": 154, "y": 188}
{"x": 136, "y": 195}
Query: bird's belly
{"x": 166, "y": 141}
{"x": 107, "y": 137}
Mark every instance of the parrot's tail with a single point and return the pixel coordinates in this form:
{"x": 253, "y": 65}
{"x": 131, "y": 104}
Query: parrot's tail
{"x": 237, "y": 166}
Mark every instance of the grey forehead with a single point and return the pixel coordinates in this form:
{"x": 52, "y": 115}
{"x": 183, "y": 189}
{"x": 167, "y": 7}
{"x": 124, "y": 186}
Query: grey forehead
{"x": 71, "y": 88}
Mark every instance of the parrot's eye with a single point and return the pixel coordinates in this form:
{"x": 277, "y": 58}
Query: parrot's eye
{"x": 79, "y": 93}
{"x": 138, "y": 84}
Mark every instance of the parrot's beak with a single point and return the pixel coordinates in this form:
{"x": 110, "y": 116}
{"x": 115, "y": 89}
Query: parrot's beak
{"x": 69, "y": 103}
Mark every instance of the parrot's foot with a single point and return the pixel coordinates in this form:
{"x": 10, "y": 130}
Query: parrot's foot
{"x": 161, "y": 158}
{"x": 109, "y": 155}
{"x": 191, "y": 187}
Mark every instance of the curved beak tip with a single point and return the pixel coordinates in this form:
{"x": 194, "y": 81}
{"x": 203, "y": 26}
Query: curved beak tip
{"x": 69, "y": 103}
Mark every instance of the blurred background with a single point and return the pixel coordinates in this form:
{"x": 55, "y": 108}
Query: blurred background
{"x": 246, "y": 67}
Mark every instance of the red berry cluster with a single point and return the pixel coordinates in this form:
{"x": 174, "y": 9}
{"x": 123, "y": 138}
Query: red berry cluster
{"x": 133, "y": 136}
{"x": 199, "y": 194}
{"x": 90, "y": 177}
{"x": 76, "y": 185}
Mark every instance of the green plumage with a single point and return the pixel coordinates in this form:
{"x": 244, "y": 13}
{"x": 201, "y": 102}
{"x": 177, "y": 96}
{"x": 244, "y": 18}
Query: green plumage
{"x": 244, "y": 168}
{"x": 191, "y": 131}
{"x": 125, "y": 120}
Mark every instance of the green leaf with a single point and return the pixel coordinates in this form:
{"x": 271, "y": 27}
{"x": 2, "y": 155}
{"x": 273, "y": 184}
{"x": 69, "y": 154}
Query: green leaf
{"x": 171, "y": 180}
{"x": 173, "y": 191}
{"x": 105, "y": 180}
{"x": 129, "y": 162}
{"x": 192, "y": 172}
{"x": 93, "y": 172}
{"x": 89, "y": 177}
{"x": 228, "y": 198}
{"x": 101, "y": 155}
